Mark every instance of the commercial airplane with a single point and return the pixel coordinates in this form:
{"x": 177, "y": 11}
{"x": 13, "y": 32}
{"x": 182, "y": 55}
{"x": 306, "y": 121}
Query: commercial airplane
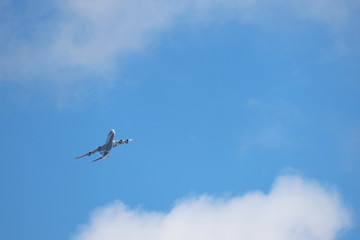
{"x": 106, "y": 148}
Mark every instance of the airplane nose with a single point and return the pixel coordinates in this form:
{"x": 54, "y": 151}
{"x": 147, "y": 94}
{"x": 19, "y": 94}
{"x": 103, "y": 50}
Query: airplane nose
{"x": 112, "y": 130}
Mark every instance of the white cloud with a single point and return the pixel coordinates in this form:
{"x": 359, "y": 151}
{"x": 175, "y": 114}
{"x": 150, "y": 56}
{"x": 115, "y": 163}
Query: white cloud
{"x": 295, "y": 209}
{"x": 74, "y": 37}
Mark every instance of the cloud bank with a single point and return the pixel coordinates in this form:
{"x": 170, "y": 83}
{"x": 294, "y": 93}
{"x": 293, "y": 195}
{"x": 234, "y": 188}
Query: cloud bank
{"x": 294, "y": 209}
{"x": 75, "y": 37}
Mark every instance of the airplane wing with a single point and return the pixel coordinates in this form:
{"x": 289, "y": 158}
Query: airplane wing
{"x": 101, "y": 158}
{"x": 117, "y": 143}
{"x": 89, "y": 153}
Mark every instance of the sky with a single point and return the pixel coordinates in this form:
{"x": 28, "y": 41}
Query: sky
{"x": 244, "y": 113}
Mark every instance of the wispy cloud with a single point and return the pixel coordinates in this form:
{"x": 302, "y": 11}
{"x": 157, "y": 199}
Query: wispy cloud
{"x": 272, "y": 131}
{"x": 272, "y": 137}
{"x": 294, "y": 209}
{"x": 349, "y": 145}
{"x": 75, "y": 38}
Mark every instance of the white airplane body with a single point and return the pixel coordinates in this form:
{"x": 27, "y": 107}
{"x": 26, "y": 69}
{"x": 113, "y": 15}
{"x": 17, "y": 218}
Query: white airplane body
{"x": 106, "y": 148}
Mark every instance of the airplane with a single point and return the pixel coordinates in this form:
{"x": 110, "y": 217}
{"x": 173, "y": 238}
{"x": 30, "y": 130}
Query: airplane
{"x": 106, "y": 148}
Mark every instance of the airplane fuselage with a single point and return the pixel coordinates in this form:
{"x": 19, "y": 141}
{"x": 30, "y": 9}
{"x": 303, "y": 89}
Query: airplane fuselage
{"x": 108, "y": 144}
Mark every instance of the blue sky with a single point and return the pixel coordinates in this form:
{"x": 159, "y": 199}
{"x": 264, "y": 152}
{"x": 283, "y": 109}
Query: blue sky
{"x": 220, "y": 97}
